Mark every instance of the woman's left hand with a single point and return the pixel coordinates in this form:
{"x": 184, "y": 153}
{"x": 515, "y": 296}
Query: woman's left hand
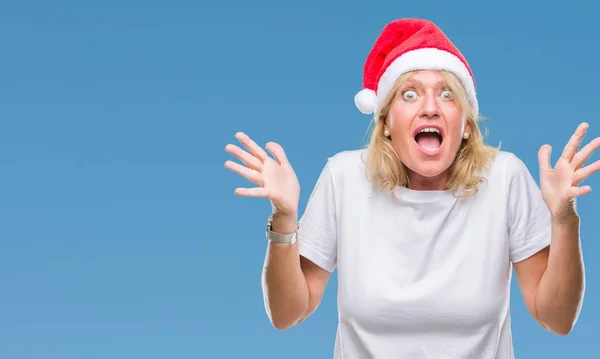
{"x": 560, "y": 185}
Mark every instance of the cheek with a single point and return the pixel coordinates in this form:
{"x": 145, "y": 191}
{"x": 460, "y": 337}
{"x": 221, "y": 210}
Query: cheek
{"x": 455, "y": 120}
{"x": 398, "y": 131}
{"x": 399, "y": 119}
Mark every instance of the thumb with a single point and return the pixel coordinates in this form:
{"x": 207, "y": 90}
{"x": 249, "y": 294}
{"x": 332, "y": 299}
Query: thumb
{"x": 544, "y": 158}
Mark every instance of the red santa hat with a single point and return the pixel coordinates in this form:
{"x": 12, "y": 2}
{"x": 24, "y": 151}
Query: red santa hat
{"x": 406, "y": 45}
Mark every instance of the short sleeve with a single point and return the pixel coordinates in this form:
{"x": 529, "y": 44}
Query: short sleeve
{"x": 317, "y": 234}
{"x": 528, "y": 216}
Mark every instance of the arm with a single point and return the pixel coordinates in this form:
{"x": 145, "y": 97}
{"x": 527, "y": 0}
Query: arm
{"x": 292, "y": 285}
{"x": 552, "y": 280}
{"x": 295, "y": 277}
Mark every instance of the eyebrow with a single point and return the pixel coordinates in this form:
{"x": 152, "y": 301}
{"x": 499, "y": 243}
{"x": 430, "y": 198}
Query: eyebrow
{"x": 408, "y": 82}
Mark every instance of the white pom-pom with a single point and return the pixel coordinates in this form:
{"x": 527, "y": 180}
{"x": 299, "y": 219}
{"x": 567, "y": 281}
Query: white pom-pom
{"x": 365, "y": 101}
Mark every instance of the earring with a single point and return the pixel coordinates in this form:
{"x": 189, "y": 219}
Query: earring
{"x": 465, "y": 135}
{"x": 386, "y": 133}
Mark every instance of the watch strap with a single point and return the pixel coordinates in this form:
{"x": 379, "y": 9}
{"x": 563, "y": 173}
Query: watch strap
{"x": 278, "y": 237}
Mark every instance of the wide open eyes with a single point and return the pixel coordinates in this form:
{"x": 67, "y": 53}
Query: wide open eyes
{"x": 411, "y": 95}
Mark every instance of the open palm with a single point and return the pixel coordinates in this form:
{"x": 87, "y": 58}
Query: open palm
{"x": 275, "y": 178}
{"x": 560, "y": 185}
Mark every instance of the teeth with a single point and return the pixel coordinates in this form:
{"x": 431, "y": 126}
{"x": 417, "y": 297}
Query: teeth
{"x": 430, "y": 129}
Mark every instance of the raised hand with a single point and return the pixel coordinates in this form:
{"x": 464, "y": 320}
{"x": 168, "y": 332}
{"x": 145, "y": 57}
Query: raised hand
{"x": 560, "y": 185}
{"x": 276, "y": 180}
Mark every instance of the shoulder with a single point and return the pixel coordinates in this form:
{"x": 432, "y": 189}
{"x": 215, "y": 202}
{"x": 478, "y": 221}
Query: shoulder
{"x": 347, "y": 163}
{"x": 506, "y": 165}
{"x": 509, "y": 177}
{"x": 346, "y": 170}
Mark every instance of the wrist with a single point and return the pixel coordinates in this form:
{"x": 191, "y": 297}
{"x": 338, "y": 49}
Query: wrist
{"x": 565, "y": 213}
{"x": 565, "y": 226}
{"x": 285, "y": 215}
{"x": 568, "y": 219}
{"x": 284, "y": 223}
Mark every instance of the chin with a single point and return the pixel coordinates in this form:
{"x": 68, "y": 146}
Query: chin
{"x": 429, "y": 169}
{"x": 432, "y": 166}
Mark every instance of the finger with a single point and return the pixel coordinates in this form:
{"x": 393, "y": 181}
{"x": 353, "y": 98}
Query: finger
{"x": 582, "y": 156}
{"x": 252, "y": 192}
{"x": 277, "y": 152}
{"x": 247, "y": 173}
{"x": 574, "y": 142}
{"x": 544, "y": 158}
{"x": 579, "y": 191}
{"x": 583, "y": 173}
{"x": 255, "y": 149}
{"x": 245, "y": 157}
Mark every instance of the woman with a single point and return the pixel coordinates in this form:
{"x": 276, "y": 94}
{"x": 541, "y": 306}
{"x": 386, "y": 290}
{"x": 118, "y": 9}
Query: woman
{"x": 426, "y": 223}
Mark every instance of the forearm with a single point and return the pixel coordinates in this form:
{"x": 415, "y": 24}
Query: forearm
{"x": 284, "y": 285}
{"x": 560, "y": 291}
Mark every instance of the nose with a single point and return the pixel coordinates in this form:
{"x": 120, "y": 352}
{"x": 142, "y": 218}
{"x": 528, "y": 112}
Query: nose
{"x": 430, "y": 108}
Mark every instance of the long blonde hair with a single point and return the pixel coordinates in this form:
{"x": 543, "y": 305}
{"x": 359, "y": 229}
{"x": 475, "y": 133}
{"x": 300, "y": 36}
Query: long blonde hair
{"x": 386, "y": 170}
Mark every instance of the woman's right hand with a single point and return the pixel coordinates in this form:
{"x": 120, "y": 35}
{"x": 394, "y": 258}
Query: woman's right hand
{"x": 276, "y": 179}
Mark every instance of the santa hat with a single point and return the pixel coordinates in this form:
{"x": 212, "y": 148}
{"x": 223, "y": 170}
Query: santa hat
{"x": 405, "y": 45}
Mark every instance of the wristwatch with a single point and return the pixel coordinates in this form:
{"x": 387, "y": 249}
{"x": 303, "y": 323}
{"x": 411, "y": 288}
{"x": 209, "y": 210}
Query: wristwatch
{"x": 290, "y": 238}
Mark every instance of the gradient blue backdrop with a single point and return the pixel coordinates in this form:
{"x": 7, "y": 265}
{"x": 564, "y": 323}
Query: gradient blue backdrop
{"x": 120, "y": 235}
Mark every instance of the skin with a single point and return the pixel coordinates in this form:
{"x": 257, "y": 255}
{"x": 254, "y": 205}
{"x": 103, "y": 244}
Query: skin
{"x": 292, "y": 285}
{"x": 551, "y": 281}
{"x": 423, "y": 100}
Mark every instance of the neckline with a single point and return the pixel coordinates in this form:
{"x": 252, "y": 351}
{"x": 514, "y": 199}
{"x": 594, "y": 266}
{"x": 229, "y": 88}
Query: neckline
{"x": 404, "y": 193}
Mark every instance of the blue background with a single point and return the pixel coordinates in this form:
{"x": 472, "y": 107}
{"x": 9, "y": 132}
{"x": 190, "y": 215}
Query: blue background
{"x": 120, "y": 235}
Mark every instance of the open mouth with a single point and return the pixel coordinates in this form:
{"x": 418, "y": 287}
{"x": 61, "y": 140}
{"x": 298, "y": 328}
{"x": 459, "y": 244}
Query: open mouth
{"x": 429, "y": 139}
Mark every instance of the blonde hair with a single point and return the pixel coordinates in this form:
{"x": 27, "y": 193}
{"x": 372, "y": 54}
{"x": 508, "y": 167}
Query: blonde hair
{"x": 386, "y": 170}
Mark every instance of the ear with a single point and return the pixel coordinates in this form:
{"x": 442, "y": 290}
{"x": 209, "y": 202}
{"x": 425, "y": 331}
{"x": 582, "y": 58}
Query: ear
{"x": 386, "y": 128}
{"x": 386, "y": 122}
{"x": 467, "y": 131}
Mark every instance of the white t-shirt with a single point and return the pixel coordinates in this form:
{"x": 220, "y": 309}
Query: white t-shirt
{"x": 425, "y": 275}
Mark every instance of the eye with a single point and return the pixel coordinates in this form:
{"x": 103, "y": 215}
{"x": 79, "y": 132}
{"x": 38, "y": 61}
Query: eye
{"x": 409, "y": 95}
{"x": 447, "y": 95}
